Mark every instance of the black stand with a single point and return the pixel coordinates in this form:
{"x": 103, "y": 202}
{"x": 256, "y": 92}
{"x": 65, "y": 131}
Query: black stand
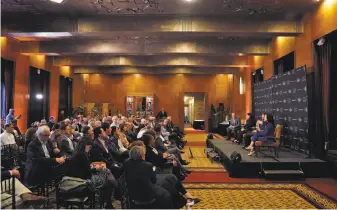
{"x": 191, "y": 154}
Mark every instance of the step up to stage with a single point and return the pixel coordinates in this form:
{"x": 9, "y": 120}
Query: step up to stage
{"x": 283, "y": 174}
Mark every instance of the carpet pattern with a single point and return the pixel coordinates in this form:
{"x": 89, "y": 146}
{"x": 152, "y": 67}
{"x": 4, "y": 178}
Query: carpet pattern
{"x": 259, "y": 196}
{"x": 200, "y": 162}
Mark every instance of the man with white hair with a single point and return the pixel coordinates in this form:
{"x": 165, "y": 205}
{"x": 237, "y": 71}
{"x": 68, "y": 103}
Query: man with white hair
{"x": 41, "y": 157}
{"x": 98, "y": 124}
{"x": 67, "y": 121}
{"x": 114, "y": 121}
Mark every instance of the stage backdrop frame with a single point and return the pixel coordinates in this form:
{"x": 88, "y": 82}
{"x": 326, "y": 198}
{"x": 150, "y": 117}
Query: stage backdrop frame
{"x": 286, "y": 97}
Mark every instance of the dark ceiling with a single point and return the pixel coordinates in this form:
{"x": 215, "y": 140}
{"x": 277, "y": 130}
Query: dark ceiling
{"x": 179, "y": 32}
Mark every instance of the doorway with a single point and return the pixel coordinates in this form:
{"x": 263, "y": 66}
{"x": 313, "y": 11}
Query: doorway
{"x": 194, "y": 110}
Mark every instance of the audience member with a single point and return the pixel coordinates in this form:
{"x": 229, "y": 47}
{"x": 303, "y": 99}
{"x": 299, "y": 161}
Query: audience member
{"x": 101, "y": 177}
{"x": 41, "y": 156}
{"x": 66, "y": 144}
{"x": 7, "y": 137}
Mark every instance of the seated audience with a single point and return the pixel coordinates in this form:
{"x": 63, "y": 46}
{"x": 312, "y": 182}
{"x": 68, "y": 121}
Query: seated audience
{"x": 234, "y": 125}
{"x": 262, "y": 135}
{"x": 7, "y": 137}
{"x": 140, "y": 177}
{"x": 66, "y": 144}
{"x": 26, "y": 198}
{"x": 30, "y": 134}
{"x": 99, "y": 176}
{"x": 100, "y": 152}
{"x": 161, "y": 160}
{"x": 123, "y": 142}
{"x": 41, "y": 157}
{"x": 166, "y": 181}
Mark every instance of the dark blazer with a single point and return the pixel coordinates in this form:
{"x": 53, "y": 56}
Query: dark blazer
{"x": 153, "y": 158}
{"x": 29, "y": 136}
{"x": 99, "y": 154}
{"x": 5, "y": 175}
{"x": 161, "y": 115}
{"x": 50, "y": 125}
{"x": 140, "y": 179}
{"x": 114, "y": 151}
{"x": 38, "y": 166}
{"x": 250, "y": 123}
{"x": 64, "y": 147}
{"x": 159, "y": 145}
{"x": 79, "y": 166}
{"x": 61, "y": 117}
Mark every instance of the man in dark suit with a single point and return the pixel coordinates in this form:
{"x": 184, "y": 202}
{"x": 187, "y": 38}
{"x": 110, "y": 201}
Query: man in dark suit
{"x": 100, "y": 152}
{"x": 162, "y": 114}
{"x": 111, "y": 144}
{"x": 41, "y": 156}
{"x": 234, "y": 125}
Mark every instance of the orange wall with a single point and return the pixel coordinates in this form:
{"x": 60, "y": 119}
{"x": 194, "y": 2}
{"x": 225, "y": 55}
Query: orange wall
{"x": 315, "y": 25}
{"x": 10, "y": 49}
{"x": 168, "y": 90}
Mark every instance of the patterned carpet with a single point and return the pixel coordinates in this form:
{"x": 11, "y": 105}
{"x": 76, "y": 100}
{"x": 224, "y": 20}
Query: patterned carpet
{"x": 210, "y": 182}
{"x": 258, "y": 196}
{"x": 200, "y": 162}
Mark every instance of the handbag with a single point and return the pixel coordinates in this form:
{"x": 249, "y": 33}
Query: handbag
{"x": 73, "y": 185}
{"x": 99, "y": 178}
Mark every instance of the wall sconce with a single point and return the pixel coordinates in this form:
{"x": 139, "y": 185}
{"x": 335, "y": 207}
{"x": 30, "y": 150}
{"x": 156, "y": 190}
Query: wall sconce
{"x": 242, "y": 86}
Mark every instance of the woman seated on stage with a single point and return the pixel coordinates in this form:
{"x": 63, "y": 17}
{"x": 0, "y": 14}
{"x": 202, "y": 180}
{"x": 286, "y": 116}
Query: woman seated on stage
{"x": 263, "y": 135}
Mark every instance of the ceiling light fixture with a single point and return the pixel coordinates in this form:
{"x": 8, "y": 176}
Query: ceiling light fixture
{"x": 188, "y": 0}
{"x": 58, "y": 1}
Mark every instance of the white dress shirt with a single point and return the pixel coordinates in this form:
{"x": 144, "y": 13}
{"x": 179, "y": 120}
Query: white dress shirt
{"x": 7, "y": 138}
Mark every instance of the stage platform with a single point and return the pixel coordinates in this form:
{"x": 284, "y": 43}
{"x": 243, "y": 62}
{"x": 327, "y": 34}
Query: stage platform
{"x": 251, "y": 166}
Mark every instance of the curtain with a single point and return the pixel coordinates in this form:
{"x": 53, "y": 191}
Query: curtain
{"x": 39, "y": 85}
{"x": 66, "y": 95}
{"x": 7, "y": 86}
{"x": 322, "y": 68}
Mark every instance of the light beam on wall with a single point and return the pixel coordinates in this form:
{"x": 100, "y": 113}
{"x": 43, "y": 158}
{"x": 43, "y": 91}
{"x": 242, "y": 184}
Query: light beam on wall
{"x": 242, "y": 86}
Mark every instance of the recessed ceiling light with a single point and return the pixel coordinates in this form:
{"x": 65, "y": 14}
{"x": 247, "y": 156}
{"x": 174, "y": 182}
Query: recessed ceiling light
{"x": 240, "y": 54}
{"x": 58, "y": 1}
{"x": 188, "y": 0}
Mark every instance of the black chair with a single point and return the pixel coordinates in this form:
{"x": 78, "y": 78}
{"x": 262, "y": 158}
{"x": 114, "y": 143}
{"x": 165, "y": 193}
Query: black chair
{"x": 8, "y": 187}
{"x": 123, "y": 192}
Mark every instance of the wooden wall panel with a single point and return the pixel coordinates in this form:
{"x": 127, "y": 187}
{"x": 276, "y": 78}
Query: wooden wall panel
{"x": 167, "y": 89}
{"x": 10, "y": 49}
